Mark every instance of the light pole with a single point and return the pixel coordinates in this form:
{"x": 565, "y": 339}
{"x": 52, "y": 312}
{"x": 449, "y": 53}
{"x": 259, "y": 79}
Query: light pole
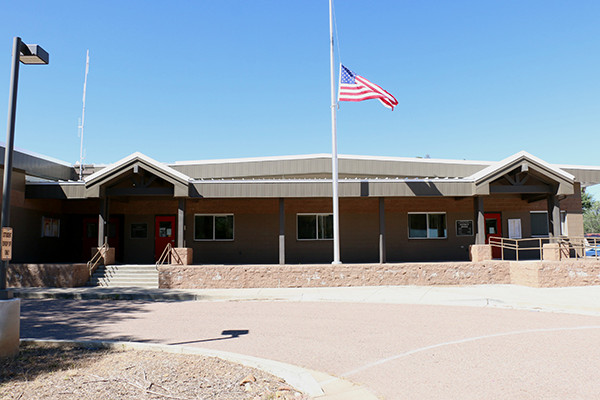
{"x": 27, "y": 54}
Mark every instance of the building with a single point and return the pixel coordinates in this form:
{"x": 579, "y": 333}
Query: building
{"x": 277, "y": 210}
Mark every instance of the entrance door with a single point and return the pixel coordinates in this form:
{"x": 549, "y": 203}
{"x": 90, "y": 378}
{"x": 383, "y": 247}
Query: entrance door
{"x": 164, "y": 234}
{"x": 90, "y": 236}
{"x": 493, "y": 228}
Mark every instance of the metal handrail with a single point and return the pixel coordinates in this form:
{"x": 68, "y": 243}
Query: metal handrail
{"x": 579, "y": 245}
{"x": 517, "y": 245}
{"x": 93, "y": 263}
{"x": 168, "y": 253}
{"x": 567, "y": 245}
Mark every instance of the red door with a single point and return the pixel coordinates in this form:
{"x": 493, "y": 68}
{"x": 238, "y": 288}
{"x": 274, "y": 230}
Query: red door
{"x": 90, "y": 236}
{"x": 493, "y": 228}
{"x": 164, "y": 227}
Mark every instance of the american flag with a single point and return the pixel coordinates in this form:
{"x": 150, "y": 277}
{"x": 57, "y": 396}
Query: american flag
{"x": 356, "y": 88}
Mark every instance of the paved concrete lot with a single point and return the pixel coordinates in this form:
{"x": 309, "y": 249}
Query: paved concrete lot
{"x": 400, "y": 351}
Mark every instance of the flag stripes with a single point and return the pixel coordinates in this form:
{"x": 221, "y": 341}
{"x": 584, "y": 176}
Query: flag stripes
{"x": 356, "y": 88}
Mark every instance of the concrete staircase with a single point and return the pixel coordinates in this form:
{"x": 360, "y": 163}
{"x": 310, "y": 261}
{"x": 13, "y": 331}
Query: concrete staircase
{"x": 126, "y": 276}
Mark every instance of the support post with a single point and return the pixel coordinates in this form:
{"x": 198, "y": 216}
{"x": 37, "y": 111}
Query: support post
{"x": 382, "y": 245}
{"x": 281, "y": 231}
{"x": 553, "y": 217}
{"x": 102, "y": 220}
{"x": 480, "y": 220}
{"x": 181, "y": 223}
{"x": 8, "y": 157}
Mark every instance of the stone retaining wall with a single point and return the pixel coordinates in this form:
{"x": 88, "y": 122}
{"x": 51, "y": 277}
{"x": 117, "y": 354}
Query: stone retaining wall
{"x": 47, "y": 275}
{"x": 555, "y": 273}
{"x": 526, "y": 273}
{"x": 256, "y": 276}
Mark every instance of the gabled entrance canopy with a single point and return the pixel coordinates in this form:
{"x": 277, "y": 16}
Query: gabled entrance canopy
{"x": 137, "y": 175}
{"x": 523, "y": 174}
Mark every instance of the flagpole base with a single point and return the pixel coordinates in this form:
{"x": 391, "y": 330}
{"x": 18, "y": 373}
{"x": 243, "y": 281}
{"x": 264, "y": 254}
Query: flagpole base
{"x": 336, "y": 262}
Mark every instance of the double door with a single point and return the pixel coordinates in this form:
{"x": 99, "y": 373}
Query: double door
{"x": 90, "y": 236}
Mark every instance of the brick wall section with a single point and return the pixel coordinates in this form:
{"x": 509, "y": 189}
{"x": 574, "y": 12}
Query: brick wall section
{"x": 47, "y": 275}
{"x": 257, "y": 276}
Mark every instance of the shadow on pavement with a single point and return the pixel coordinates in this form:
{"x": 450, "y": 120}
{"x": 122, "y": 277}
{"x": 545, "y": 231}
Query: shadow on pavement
{"x": 76, "y": 319}
{"x": 231, "y": 334}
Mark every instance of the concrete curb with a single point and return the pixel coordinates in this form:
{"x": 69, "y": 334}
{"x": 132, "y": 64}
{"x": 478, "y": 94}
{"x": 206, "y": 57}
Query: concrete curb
{"x": 113, "y": 293}
{"x": 316, "y": 384}
{"x": 573, "y": 300}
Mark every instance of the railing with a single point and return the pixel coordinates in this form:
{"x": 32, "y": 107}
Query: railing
{"x": 93, "y": 263}
{"x": 569, "y": 246}
{"x": 580, "y": 246}
{"x": 168, "y": 255}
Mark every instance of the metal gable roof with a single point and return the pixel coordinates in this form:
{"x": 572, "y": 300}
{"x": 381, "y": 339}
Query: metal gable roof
{"x": 523, "y": 159}
{"x": 179, "y": 180}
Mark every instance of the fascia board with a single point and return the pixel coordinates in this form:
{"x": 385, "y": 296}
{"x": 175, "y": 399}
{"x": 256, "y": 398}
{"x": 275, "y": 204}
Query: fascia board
{"x": 496, "y": 170}
{"x": 115, "y": 167}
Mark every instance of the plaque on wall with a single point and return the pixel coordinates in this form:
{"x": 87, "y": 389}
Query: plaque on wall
{"x": 464, "y": 228}
{"x": 139, "y": 230}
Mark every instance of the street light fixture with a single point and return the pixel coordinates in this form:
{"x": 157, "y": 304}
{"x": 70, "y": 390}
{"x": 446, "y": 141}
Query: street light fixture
{"x": 27, "y": 54}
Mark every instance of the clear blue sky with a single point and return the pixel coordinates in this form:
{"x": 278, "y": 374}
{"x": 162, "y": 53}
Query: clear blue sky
{"x": 189, "y": 80}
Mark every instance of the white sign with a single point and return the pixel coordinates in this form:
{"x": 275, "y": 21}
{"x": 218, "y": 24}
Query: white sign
{"x": 514, "y": 228}
{"x": 7, "y": 235}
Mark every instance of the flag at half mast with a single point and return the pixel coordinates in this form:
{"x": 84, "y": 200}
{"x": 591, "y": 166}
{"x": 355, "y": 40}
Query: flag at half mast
{"x": 356, "y": 88}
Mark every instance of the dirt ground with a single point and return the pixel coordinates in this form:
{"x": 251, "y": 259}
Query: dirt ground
{"x": 66, "y": 372}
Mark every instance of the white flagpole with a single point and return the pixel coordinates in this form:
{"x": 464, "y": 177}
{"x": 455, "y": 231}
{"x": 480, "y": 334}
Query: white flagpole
{"x": 334, "y": 156}
{"x": 87, "y": 69}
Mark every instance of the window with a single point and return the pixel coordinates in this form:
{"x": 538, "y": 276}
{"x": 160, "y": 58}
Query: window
{"x": 539, "y": 223}
{"x": 563, "y": 223}
{"x": 427, "y": 225}
{"x": 50, "y": 227}
{"x": 514, "y": 228}
{"x": 139, "y": 230}
{"x": 213, "y": 227}
{"x": 315, "y": 226}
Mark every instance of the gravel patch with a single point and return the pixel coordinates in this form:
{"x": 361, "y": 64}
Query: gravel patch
{"x": 47, "y": 371}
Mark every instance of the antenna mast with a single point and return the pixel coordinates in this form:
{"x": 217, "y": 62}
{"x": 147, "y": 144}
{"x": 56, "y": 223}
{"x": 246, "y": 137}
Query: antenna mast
{"x": 81, "y": 157}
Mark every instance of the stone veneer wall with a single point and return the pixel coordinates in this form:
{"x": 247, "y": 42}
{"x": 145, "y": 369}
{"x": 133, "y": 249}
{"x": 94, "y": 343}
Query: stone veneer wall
{"x": 526, "y": 273}
{"x": 47, "y": 275}
{"x": 257, "y": 276}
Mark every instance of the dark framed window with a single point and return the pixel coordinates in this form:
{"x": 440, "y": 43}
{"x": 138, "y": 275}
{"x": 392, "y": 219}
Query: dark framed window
{"x": 427, "y": 226}
{"x": 314, "y": 226}
{"x": 213, "y": 227}
{"x": 539, "y": 223}
{"x": 139, "y": 230}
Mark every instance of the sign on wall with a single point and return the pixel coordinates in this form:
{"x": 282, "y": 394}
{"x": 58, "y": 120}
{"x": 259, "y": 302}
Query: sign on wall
{"x": 7, "y": 235}
{"x": 464, "y": 228}
{"x": 50, "y": 227}
{"x": 514, "y": 229}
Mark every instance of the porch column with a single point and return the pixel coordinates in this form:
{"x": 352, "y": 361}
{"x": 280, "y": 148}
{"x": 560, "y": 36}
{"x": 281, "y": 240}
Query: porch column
{"x": 102, "y": 221}
{"x": 281, "y": 231}
{"x": 553, "y": 216}
{"x": 382, "y": 246}
{"x": 181, "y": 223}
{"x": 479, "y": 220}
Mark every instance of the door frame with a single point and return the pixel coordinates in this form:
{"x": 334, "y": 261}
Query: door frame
{"x": 165, "y": 217}
{"x": 496, "y": 251}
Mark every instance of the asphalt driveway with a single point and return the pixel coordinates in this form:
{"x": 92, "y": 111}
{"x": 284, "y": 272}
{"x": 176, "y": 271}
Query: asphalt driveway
{"x": 399, "y": 351}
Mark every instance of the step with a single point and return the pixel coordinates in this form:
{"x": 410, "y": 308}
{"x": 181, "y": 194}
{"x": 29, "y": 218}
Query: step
{"x": 125, "y": 276}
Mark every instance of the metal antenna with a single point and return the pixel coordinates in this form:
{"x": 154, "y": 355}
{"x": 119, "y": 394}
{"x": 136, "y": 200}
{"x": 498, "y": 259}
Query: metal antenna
{"x": 81, "y": 156}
